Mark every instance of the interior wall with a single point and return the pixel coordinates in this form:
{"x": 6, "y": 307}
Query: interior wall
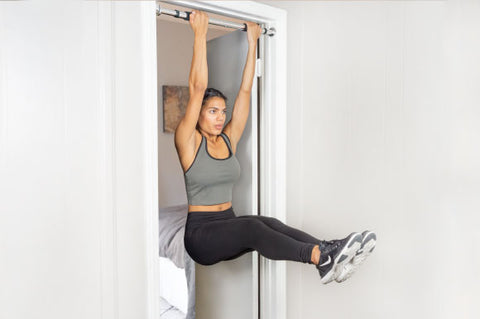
{"x": 50, "y": 190}
{"x": 174, "y": 58}
{"x": 383, "y": 134}
{"x": 75, "y": 212}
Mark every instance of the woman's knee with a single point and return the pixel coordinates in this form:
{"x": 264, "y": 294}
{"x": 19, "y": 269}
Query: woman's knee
{"x": 253, "y": 223}
{"x": 263, "y": 219}
{"x": 273, "y": 222}
{"x": 263, "y": 222}
{"x": 254, "y": 231}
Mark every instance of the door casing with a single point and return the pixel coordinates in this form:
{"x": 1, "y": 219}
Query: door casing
{"x": 272, "y": 137}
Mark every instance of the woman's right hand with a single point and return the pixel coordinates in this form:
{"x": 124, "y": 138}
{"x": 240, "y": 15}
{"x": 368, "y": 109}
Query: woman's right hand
{"x": 199, "y": 22}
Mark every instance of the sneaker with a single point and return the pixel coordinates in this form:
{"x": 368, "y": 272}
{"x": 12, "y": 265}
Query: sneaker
{"x": 336, "y": 254}
{"x": 369, "y": 239}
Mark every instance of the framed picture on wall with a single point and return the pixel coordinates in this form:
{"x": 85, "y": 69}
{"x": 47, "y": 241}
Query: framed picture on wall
{"x": 175, "y": 100}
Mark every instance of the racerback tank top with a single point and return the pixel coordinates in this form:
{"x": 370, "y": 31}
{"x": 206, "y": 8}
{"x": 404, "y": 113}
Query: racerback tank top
{"x": 210, "y": 180}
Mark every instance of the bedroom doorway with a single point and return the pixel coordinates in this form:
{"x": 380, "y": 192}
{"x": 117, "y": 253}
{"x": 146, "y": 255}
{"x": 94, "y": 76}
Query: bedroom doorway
{"x": 226, "y": 55}
{"x": 268, "y": 281}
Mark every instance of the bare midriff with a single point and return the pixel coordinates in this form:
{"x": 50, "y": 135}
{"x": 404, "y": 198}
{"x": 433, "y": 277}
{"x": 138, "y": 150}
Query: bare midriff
{"x": 209, "y": 208}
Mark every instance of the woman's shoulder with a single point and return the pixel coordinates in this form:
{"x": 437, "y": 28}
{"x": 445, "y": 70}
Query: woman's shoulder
{"x": 188, "y": 154}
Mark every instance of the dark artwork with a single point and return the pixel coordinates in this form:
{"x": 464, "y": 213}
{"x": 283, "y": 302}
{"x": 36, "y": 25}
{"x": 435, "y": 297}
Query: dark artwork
{"x": 175, "y": 99}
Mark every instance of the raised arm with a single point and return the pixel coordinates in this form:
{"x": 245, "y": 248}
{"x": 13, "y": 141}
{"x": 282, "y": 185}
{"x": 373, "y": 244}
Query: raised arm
{"x": 241, "y": 107}
{"x": 197, "y": 82}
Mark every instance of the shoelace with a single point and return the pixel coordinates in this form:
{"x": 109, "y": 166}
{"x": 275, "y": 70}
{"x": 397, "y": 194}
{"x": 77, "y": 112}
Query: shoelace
{"x": 325, "y": 243}
{"x": 331, "y": 246}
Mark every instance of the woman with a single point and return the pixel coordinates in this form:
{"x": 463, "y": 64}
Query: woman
{"x": 207, "y": 149}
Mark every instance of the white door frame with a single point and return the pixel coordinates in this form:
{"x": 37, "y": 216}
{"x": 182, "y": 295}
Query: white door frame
{"x": 272, "y": 117}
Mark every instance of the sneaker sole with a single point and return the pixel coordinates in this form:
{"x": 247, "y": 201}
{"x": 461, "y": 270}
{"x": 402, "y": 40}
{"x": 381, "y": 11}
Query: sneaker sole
{"x": 368, "y": 245}
{"x": 344, "y": 256}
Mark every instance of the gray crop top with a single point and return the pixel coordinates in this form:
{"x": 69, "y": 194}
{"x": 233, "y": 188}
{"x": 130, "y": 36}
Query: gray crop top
{"x": 210, "y": 180}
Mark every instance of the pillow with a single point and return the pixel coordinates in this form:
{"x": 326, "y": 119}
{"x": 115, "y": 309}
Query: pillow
{"x": 172, "y": 221}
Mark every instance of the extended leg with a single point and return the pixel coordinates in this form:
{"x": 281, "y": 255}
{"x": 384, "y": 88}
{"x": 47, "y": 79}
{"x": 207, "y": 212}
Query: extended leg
{"x": 284, "y": 229}
{"x": 227, "y": 239}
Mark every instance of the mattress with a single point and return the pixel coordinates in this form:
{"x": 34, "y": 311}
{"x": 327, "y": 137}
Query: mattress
{"x": 177, "y": 268}
{"x": 173, "y": 284}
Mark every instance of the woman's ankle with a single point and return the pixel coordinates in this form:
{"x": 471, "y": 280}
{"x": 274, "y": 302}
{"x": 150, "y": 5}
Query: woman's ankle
{"x": 315, "y": 258}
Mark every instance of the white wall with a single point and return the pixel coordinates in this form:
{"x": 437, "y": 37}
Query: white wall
{"x": 174, "y": 58}
{"x": 383, "y": 126}
{"x": 73, "y": 179}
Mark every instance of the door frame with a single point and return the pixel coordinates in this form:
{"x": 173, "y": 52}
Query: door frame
{"x": 272, "y": 150}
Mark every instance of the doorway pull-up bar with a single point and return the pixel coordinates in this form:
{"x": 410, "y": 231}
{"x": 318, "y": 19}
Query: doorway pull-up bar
{"x": 185, "y": 15}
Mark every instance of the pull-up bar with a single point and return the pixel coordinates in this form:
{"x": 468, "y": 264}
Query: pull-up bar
{"x": 185, "y": 15}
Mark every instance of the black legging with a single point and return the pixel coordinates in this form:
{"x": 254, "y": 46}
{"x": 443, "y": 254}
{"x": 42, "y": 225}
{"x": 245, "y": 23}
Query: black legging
{"x": 211, "y": 237}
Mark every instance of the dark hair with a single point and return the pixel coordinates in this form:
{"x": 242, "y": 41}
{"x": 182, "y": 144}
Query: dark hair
{"x": 211, "y": 92}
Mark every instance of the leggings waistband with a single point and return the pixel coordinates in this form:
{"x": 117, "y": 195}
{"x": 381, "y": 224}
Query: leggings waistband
{"x": 197, "y": 218}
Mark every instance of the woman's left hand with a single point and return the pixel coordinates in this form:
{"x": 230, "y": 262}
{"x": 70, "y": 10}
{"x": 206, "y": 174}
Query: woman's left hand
{"x": 253, "y": 32}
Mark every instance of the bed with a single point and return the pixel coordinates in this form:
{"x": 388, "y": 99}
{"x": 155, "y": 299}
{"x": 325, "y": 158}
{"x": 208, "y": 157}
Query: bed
{"x": 178, "y": 287}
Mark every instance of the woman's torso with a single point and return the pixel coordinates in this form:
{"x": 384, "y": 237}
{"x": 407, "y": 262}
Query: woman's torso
{"x": 218, "y": 151}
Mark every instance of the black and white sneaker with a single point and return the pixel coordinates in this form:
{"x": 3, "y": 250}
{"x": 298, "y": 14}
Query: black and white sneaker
{"x": 369, "y": 239}
{"x": 335, "y": 254}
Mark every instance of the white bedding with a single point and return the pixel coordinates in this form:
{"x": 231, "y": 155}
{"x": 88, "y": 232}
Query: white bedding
{"x": 171, "y": 230}
{"x": 173, "y": 284}
{"x": 178, "y": 289}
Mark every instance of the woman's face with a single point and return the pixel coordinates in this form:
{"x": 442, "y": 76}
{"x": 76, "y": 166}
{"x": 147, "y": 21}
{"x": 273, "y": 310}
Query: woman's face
{"x": 212, "y": 116}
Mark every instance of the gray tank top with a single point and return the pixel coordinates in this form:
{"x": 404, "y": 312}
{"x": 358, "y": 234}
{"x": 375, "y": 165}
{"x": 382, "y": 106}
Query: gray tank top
{"x": 210, "y": 180}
